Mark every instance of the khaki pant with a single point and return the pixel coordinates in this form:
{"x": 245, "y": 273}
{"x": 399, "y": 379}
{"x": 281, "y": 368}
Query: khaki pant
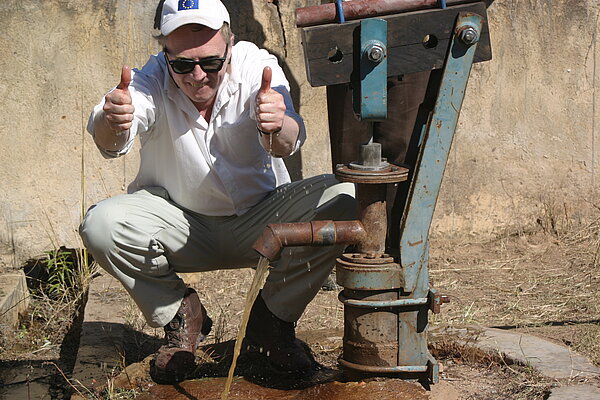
{"x": 143, "y": 239}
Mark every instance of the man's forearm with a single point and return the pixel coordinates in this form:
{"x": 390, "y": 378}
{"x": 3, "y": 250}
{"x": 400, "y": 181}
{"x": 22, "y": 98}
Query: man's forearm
{"x": 282, "y": 143}
{"x": 106, "y": 136}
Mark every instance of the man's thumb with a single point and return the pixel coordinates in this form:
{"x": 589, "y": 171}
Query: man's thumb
{"x": 125, "y": 78}
{"x": 266, "y": 80}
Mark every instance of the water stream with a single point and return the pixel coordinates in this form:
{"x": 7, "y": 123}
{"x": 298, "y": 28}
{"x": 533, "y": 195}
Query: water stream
{"x": 260, "y": 276}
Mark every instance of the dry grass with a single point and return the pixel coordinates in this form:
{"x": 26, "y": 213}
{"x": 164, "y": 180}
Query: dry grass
{"x": 545, "y": 282}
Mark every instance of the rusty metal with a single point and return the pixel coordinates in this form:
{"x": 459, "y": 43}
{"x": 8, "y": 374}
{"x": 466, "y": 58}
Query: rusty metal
{"x": 376, "y": 304}
{"x": 360, "y": 258}
{"x": 318, "y": 233}
{"x": 372, "y": 210}
{"x": 357, "y": 272}
{"x": 357, "y": 9}
{"x": 387, "y": 299}
{"x": 392, "y": 174}
{"x": 370, "y": 336}
{"x": 409, "y": 369}
{"x": 436, "y": 299}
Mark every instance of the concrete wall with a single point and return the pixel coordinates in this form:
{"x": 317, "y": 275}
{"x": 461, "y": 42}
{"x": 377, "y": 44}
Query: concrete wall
{"x": 527, "y": 142}
{"x": 525, "y": 149}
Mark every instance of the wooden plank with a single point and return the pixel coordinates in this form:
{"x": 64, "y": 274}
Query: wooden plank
{"x": 329, "y": 49}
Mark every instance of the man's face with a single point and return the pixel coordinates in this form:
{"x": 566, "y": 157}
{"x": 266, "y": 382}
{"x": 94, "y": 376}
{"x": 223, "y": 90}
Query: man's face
{"x": 193, "y": 42}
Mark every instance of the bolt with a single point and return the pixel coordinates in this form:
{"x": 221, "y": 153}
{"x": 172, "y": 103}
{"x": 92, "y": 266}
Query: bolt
{"x": 469, "y": 36}
{"x": 375, "y": 53}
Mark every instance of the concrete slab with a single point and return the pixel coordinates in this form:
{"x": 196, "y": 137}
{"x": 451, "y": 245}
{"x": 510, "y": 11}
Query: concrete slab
{"x": 102, "y": 335}
{"x": 578, "y": 392}
{"x": 550, "y": 359}
{"x": 14, "y": 299}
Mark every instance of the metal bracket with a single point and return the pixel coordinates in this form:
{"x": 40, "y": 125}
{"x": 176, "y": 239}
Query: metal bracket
{"x": 436, "y": 299}
{"x": 372, "y": 66}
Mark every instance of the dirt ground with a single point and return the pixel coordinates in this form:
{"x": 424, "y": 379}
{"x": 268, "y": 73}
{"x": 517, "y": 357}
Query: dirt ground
{"x": 543, "y": 282}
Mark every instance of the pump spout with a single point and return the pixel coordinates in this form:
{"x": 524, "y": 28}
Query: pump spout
{"x": 317, "y": 233}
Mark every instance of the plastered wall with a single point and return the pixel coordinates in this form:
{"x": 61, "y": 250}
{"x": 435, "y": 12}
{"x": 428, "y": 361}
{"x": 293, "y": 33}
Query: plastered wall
{"x": 526, "y": 148}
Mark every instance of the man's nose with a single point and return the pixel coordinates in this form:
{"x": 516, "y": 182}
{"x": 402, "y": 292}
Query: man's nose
{"x": 198, "y": 73}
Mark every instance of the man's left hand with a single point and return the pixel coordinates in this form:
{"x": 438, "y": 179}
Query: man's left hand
{"x": 270, "y": 107}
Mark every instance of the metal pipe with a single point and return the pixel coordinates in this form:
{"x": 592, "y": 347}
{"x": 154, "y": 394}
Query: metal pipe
{"x": 384, "y": 370}
{"x": 320, "y": 233}
{"x": 382, "y": 303}
{"x": 357, "y": 9}
{"x": 373, "y": 214}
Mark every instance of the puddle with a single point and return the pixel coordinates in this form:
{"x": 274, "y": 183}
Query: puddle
{"x": 211, "y": 389}
{"x": 24, "y": 380}
{"x": 45, "y": 345}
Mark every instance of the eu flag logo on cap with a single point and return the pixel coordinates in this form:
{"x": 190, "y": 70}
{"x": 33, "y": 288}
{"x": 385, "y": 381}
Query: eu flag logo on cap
{"x": 187, "y": 5}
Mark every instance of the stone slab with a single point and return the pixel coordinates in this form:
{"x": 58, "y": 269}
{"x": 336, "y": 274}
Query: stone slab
{"x": 14, "y": 299}
{"x": 101, "y": 343}
{"x": 578, "y": 392}
{"x": 550, "y": 359}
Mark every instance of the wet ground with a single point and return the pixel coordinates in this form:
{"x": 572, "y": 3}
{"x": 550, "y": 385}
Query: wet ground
{"x": 257, "y": 381}
{"x": 211, "y": 388}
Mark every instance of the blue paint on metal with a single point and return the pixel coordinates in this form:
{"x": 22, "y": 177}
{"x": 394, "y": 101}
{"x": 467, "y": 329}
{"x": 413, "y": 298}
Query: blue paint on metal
{"x": 433, "y": 370}
{"x": 340, "y": 10}
{"x": 437, "y": 139}
{"x": 373, "y": 74}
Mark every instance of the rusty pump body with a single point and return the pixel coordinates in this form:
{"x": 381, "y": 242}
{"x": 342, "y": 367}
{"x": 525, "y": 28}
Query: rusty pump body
{"x": 387, "y": 295}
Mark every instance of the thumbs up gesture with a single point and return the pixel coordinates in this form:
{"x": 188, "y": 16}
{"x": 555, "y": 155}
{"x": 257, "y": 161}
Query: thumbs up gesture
{"x": 118, "y": 108}
{"x": 270, "y": 107}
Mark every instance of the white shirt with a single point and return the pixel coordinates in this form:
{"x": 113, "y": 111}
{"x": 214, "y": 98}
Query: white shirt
{"x": 217, "y": 168}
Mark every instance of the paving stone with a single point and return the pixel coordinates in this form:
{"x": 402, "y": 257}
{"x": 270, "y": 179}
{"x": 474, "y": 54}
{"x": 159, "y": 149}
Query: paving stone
{"x": 14, "y": 298}
{"x": 578, "y": 392}
{"x": 550, "y": 359}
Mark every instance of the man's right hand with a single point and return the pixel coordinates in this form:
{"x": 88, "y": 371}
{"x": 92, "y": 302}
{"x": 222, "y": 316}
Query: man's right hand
{"x": 118, "y": 108}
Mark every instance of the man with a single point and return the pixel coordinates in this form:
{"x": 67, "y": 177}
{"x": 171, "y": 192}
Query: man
{"x": 214, "y": 120}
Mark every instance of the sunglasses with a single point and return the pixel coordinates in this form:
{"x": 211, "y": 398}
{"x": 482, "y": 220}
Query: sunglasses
{"x": 208, "y": 65}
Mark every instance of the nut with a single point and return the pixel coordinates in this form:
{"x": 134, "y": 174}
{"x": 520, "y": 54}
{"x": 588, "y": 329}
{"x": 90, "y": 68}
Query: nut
{"x": 469, "y": 35}
{"x": 375, "y": 53}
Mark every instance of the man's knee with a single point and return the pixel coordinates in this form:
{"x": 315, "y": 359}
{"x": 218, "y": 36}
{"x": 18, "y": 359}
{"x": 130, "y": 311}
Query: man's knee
{"x": 96, "y": 229}
{"x": 338, "y": 201}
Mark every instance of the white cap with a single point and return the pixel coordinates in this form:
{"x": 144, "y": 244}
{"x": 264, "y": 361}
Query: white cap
{"x": 176, "y": 13}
